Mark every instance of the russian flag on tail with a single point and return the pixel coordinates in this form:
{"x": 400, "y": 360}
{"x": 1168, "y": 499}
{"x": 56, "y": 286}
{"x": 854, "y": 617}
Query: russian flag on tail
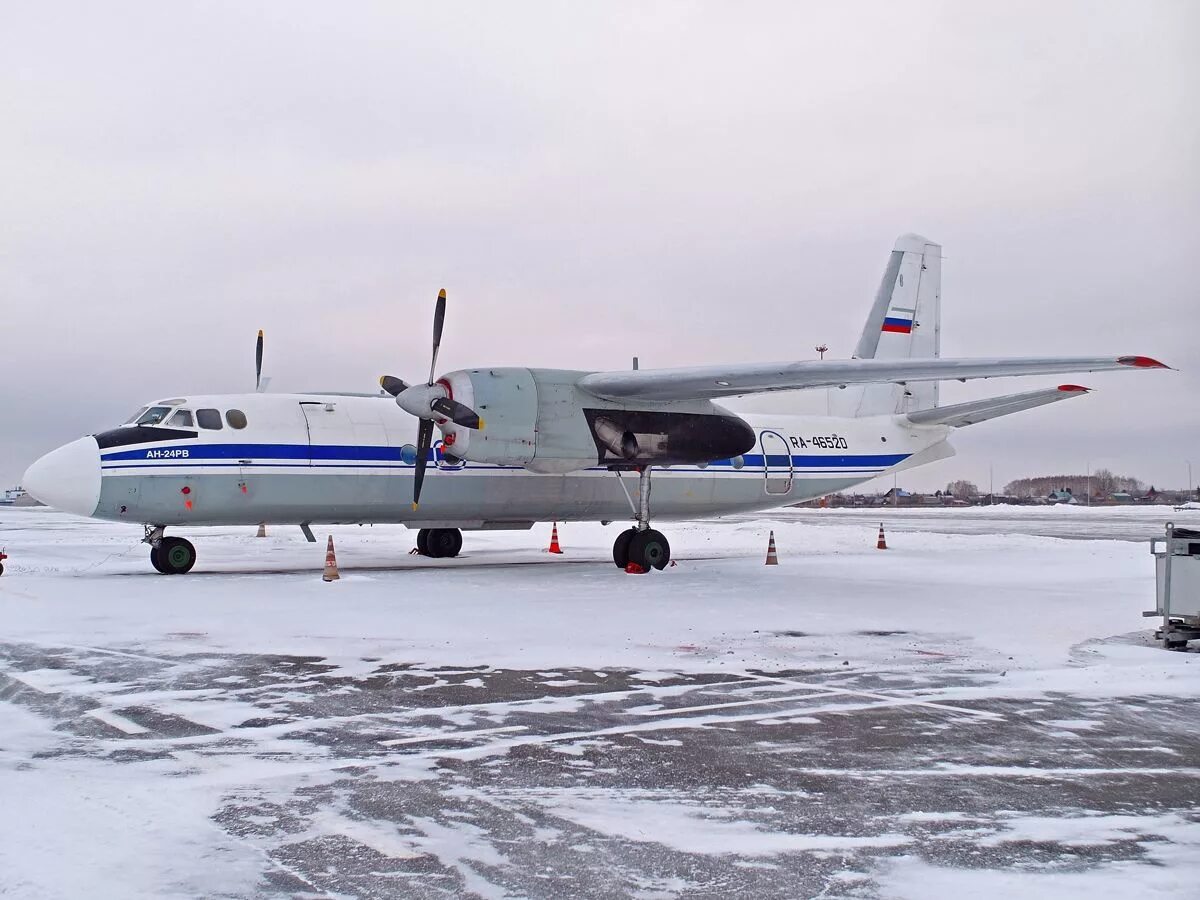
{"x": 899, "y": 321}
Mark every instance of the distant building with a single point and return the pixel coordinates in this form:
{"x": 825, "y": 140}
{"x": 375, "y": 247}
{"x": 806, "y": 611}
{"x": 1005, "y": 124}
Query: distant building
{"x": 1061, "y": 496}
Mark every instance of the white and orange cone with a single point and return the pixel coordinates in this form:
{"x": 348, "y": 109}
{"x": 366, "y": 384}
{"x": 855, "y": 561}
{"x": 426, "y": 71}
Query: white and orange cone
{"x": 554, "y": 548}
{"x": 262, "y": 529}
{"x": 772, "y": 556}
{"x": 331, "y": 572}
{"x": 882, "y": 544}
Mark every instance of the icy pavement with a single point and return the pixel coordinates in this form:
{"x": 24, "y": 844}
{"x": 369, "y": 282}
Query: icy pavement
{"x": 963, "y": 715}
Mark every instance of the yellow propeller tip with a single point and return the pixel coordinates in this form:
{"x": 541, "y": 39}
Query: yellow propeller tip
{"x": 442, "y": 294}
{"x": 481, "y": 424}
{"x": 414, "y": 507}
{"x": 260, "y": 334}
{"x": 382, "y": 379}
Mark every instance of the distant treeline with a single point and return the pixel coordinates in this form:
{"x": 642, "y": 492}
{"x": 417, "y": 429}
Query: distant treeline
{"x": 1102, "y": 483}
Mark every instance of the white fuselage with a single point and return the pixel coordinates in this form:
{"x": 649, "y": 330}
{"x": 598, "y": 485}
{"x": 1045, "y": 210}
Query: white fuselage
{"x": 303, "y": 458}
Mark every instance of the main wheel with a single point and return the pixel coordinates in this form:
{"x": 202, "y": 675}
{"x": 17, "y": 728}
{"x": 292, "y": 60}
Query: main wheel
{"x": 176, "y": 556}
{"x": 650, "y": 549}
{"x": 156, "y": 561}
{"x": 621, "y": 547}
{"x": 423, "y": 541}
{"x": 444, "y": 542}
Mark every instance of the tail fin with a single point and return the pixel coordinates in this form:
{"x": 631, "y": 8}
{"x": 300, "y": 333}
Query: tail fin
{"x": 905, "y": 322}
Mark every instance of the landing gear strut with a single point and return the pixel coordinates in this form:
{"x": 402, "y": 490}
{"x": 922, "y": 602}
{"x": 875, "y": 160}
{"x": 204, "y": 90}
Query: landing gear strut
{"x": 169, "y": 555}
{"x": 439, "y": 543}
{"x": 641, "y": 544}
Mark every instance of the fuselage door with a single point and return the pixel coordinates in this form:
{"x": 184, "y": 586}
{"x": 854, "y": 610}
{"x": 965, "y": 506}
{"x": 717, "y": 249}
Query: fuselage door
{"x": 329, "y": 431}
{"x": 777, "y": 463}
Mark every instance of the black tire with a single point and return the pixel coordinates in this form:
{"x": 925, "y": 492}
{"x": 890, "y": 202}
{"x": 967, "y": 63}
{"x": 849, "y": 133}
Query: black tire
{"x": 423, "y": 541}
{"x": 1, "y": 568}
{"x": 621, "y": 547}
{"x": 444, "y": 542}
{"x": 649, "y": 549}
{"x": 156, "y": 562}
{"x": 176, "y": 556}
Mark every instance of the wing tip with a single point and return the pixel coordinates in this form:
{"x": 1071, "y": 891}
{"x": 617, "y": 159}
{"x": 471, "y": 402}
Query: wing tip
{"x": 1141, "y": 362}
{"x": 1074, "y": 388}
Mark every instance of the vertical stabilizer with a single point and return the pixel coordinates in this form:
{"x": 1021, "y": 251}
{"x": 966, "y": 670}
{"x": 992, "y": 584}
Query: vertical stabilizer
{"x": 905, "y": 322}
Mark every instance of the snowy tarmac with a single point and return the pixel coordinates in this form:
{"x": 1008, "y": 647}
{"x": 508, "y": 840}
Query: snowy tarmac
{"x": 976, "y": 712}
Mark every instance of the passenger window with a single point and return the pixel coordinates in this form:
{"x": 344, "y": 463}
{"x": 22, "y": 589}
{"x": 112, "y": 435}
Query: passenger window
{"x": 236, "y": 418}
{"x": 209, "y": 418}
{"x": 154, "y": 415}
{"x": 182, "y": 419}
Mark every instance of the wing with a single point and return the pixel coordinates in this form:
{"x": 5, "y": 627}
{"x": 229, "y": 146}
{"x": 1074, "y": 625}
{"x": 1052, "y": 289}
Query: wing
{"x": 713, "y": 382}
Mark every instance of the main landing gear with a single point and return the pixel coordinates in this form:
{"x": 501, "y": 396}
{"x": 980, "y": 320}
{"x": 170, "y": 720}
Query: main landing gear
{"x": 439, "y": 543}
{"x": 641, "y": 544}
{"x": 169, "y": 555}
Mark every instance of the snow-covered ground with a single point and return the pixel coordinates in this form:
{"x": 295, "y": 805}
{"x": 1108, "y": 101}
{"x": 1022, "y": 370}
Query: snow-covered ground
{"x": 973, "y": 714}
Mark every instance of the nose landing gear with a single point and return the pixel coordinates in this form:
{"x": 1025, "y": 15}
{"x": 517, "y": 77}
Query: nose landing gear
{"x": 641, "y": 544}
{"x": 169, "y": 555}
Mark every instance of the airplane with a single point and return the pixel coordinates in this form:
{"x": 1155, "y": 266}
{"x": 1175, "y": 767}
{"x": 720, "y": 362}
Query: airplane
{"x": 524, "y": 445}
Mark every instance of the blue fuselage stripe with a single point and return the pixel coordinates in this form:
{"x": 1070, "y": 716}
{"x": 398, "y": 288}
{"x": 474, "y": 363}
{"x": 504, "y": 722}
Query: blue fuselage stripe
{"x": 333, "y": 457}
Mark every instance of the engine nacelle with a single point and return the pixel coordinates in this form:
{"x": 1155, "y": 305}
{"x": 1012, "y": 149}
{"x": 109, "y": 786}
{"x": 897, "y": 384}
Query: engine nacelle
{"x": 540, "y": 419}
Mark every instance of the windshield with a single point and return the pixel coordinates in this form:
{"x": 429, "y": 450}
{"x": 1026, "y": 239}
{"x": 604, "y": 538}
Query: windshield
{"x": 137, "y": 415}
{"x": 154, "y": 415}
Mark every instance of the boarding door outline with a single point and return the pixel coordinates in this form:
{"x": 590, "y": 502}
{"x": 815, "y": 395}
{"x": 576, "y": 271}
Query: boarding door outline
{"x": 325, "y": 425}
{"x": 777, "y": 477}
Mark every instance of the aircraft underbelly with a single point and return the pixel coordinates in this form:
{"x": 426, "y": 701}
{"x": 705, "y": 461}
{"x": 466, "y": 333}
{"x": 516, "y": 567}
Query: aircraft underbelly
{"x": 472, "y": 497}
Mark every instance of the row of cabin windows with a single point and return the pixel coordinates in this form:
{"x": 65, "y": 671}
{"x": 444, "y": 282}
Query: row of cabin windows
{"x": 209, "y": 419}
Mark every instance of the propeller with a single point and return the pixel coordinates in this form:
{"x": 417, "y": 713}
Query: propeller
{"x": 429, "y": 402}
{"x": 258, "y": 350}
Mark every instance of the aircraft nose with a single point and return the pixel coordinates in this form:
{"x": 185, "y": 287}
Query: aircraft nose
{"x": 68, "y": 478}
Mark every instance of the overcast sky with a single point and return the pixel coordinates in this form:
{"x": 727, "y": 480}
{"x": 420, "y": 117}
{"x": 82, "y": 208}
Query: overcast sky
{"x": 692, "y": 183}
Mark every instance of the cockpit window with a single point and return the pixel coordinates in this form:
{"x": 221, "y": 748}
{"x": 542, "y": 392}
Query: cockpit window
{"x": 154, "y": 415}
{"x": 209, "y": 418}
{"x": 236, "y": 418}
{"x": 182, "y": 419}
{"x": 137, "y": 415}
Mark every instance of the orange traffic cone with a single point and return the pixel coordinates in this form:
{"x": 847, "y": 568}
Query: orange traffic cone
{"x": 262, "y": 529}
{"x": 882, "y": 545}
{"x": 772, "y": 557}
{"x": 331, "y": 572}
{"x": 554, "y": 548}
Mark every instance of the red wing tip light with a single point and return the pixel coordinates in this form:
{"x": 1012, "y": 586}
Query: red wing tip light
{"x": 1073, "y": 388}
{"x": 1141, "y": 362}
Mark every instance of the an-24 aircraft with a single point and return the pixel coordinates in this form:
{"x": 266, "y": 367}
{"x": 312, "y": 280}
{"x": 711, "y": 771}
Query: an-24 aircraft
{"x": 520, "y": 446}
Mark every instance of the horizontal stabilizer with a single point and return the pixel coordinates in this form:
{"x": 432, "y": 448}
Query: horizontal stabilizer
{"x": 974, "y": 411}
{"x": 714, "y": 382}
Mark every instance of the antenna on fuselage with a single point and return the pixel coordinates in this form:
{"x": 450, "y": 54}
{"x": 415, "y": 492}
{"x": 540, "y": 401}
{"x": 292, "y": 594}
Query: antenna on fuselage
{"x": 635, "y": 363}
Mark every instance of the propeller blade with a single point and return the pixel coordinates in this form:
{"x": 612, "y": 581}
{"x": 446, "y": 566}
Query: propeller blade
{"x": 424, "y": 442}
{"x": 439, "y": 319}
{"x": 392, "y": 384}
{"x": 458, "y": 413}
{"x": 258, "y": 351}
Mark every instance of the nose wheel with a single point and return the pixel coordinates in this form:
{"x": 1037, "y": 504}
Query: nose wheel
{"x": 641, "y": 544}
{"x": 172, "y": 556}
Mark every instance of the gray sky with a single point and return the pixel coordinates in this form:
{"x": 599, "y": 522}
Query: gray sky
{"x": 690, "y": 183}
